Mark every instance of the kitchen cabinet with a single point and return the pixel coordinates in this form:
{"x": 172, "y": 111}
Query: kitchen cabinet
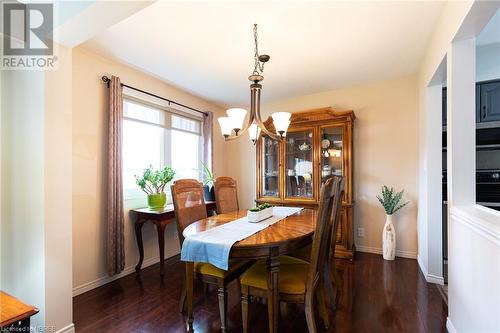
{"x": 490, "y": 101}
{"x": 318, "y": 145}
{"x": 487, "y": 102}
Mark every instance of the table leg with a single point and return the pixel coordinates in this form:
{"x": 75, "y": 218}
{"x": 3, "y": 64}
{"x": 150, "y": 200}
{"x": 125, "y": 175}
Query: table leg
{"x": 189, "y": 292}
{"x": 138, "y": 236}
{"x": 273, "y": 267}
{"x": 160, "y": 228}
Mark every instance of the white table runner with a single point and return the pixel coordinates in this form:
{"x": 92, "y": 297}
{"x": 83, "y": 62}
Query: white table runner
{"x": 213, "y": 246}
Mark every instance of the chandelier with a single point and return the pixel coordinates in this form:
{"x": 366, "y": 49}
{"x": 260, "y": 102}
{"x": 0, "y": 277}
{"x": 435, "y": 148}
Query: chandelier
{"x": 232, "y": 125}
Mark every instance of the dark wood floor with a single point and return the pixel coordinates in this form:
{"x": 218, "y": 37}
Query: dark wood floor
{"x": 376, "y": 296}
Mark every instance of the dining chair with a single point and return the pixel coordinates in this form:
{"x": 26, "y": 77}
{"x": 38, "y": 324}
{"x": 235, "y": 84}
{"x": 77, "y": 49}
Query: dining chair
{"x": 305, "y": 252}
{"x": 226, "y": 195}
{"x": 298, "y": 280}
{"x": 189, "y": 206}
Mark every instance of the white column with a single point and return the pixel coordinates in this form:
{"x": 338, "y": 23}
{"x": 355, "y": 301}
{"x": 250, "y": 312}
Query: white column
{"x": 461, "y": 62}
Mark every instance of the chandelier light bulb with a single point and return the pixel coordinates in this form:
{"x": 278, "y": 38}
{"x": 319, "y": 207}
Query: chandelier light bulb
{"x": 281, "y": 121}
{"x": 254, "y": 132}
{"x": 226, "y": 126}
{"x": 237, "y": 116}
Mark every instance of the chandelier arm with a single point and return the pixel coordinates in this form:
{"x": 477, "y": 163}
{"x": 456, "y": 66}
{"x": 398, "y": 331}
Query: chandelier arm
{"x": 258, "y": 120}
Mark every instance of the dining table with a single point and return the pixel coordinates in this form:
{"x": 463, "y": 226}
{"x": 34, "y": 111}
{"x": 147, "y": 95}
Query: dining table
{"x": 283, "y": 237}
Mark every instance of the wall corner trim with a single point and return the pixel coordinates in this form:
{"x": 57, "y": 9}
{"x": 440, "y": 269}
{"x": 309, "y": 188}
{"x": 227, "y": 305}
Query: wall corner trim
{"x": 430, "y": 278}
{"x": 68, "y": 329}
{"x": 449, "y": 326}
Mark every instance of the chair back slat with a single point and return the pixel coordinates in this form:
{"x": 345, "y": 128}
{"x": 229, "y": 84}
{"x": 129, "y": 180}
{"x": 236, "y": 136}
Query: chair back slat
{"x": 189, "y": 203}
{"x": 328, "y": 211}
{"x": 226, "y": 195}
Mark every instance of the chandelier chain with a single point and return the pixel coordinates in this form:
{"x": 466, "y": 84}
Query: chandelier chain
{"x": 258, "y": 66}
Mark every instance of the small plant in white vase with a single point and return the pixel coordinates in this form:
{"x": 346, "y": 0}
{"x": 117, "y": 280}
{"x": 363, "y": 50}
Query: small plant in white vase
{"x": 392, "y": 202}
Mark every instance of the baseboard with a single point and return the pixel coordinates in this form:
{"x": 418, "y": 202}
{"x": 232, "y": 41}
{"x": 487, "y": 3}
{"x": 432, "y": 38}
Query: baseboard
{"x": 449, "y": 326}
{"x": 78, "y": 290}
{"x": 68, "y": 329}
{"x": 423, "y": 268}
{"x": 435, "y": 279}
{"x": 377, "y": 250}
{"x": 431, "y": 278}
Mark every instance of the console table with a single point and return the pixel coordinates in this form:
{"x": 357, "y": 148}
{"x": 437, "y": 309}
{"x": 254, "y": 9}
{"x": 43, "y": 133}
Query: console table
{"x": 161, "y": 218}
{"x": 14, "y": 314}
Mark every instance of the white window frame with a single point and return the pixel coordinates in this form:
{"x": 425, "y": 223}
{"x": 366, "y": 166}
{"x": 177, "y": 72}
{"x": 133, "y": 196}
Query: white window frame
{"x": 159, "y": 104}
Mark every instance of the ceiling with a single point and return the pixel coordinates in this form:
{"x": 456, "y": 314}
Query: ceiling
{"x": 206, "y": 48}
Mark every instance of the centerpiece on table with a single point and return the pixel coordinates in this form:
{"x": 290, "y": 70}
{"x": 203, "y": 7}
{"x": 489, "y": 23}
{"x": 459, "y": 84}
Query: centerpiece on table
{"x": 153, "y": 183}
{"x": 392, "y": 203}
{"x": 259, "y": 213}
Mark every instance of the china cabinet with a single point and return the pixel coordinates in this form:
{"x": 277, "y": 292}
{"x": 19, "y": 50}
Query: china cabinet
{"x": 318, "y": 145}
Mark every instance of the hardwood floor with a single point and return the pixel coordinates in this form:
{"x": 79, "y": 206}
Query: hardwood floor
{"x": 375, "y": 296}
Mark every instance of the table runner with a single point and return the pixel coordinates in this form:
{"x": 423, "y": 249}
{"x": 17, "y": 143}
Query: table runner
{"x": 213, "y": 246}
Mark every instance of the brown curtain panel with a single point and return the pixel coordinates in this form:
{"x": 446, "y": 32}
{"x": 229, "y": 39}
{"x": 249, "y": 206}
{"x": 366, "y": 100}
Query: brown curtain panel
{"x": 115, "y": 216}
{"x": 207, "y": 139}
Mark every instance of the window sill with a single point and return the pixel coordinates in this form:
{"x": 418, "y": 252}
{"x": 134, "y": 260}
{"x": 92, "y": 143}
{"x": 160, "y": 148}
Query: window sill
{"x": 481, "y": 219}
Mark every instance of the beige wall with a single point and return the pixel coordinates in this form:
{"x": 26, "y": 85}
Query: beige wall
{"x": 89, "y": 105}
{"x": 385, "y": 152}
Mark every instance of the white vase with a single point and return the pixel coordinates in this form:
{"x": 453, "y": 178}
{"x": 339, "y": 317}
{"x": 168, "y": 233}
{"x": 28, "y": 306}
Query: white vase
{"x": 389, "y": 239}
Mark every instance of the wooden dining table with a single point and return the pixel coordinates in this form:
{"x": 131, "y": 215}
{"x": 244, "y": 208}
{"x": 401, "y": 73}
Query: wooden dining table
{"x": 283, "y": 237}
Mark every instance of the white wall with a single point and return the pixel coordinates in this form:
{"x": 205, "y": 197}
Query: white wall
{"x": 488, "y": 62}
{"x": 22, "y": 169}
{"x": 88, "y": 164}
{"x": 57, "y": 189}
{"x": 385, "y": 152}
{"x": 474, "y": 232}
{"x": 36, "y": 174}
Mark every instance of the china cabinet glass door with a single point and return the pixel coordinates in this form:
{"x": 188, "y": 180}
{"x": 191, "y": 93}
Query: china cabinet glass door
{"x": 299, "y": 164}
{"x": 331, "y": 152}
{"x": 270, "y": 167}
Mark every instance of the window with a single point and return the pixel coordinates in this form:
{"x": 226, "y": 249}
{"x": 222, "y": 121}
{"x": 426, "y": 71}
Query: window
{"x": 155, "y": 136}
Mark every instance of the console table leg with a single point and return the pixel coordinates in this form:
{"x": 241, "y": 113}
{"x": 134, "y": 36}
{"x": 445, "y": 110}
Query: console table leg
{"x": 161, "y": 245}
{"x": 138, "y": 236}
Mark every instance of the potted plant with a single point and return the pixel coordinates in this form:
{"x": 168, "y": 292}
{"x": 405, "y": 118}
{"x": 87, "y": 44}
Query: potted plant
{"x": 208, "y": 182}
{"x": 392, "y": 203}
{"x": 153, "y": 183}
{"x": 259, "y": 213}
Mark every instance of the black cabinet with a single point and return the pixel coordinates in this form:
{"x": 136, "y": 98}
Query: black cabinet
{"x": 490, "y": 101}
{"x": 487, "y": 102}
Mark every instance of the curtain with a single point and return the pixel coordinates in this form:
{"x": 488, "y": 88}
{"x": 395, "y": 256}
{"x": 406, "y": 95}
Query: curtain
{"x": 207, "y": 139}
{"x": 115, "y": 215}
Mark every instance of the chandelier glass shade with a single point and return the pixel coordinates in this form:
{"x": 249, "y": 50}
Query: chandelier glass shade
{"x": 233, "y": 126}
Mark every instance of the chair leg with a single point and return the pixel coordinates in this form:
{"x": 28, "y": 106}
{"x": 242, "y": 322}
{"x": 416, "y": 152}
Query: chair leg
{"x": 182, "y": 301}
{"x": 244, "y": 307}
{"x": 311, "y": 325}
{"x": 222, "y": 292}
{"x": 320, "y": 296}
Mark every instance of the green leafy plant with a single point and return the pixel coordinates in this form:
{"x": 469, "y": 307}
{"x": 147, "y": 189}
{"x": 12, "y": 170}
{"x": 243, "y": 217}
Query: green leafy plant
{"x": 391, "y": 201}
{"x": 258, "y": 208}
{"x": 208, "y": 175}
{"x": 154, "y": 181}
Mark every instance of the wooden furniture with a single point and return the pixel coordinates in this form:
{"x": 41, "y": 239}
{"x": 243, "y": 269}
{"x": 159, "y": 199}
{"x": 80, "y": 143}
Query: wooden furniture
{"x": 160, "y": 218}
{"x": 189, "y": 204}
{"x": 226, "y": 195}
{"x": 14, "y": 314}
{"x": 299, "y": 280}
{"x": 283, "y": 237}
{"x": 291, "y": 172}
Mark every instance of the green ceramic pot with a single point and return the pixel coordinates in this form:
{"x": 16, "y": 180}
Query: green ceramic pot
{"x": 157, "y": 201}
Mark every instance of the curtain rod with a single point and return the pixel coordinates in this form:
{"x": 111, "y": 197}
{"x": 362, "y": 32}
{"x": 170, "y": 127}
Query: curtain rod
{"x": 107, "y": 80}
